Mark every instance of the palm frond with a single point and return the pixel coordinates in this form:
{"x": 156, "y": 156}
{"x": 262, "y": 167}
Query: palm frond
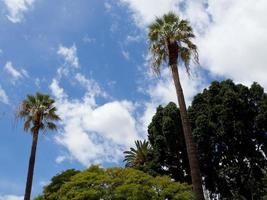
{"x": 171, "y": 28}
{"x": 38, "y": 112}
{"x": 137, "y": 156}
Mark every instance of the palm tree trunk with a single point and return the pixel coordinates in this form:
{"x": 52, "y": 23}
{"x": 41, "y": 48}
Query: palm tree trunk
{"x": 190, "y": 145}
{"x": 31, "y": 166}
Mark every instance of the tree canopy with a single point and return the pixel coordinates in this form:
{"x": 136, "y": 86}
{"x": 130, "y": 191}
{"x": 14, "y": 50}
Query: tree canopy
{"x": 165, "y": 135}
{"x": 229, "y": 124}
{"x": 230, "y": 127}
{"x": 114, "y": 184}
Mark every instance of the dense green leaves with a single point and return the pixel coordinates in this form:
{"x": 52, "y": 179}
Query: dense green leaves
{"x": 165, "y": 154}
{"x": 166, "y": 137}
{"x": 116, "y": 184}
{"x": 51, "y": 191}
{"x": 230, "y": 127}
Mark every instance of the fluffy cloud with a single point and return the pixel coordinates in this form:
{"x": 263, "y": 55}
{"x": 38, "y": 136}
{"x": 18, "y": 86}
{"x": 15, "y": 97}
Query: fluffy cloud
{"x": 16, "y": 74}
{"x": 17, "y": 8}
{"x": 11, "y": 197}
{"x": 144, "y": 11}
{"x": 3, "y": 96}
{"x": 231, "y": 35}
{"x": 94, "y": 133}
{"x": 235, "y": 43}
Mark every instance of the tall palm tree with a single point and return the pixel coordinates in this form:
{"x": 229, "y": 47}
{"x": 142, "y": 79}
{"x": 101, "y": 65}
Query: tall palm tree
{"x": 38, "y": 113}
{"x": 170, "y": 42}
{"x": 138, "y": 156}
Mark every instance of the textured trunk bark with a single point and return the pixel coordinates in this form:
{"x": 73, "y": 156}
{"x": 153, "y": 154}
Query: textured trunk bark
{"x": 190, "y": 145}
{"x": 31, "y": 166}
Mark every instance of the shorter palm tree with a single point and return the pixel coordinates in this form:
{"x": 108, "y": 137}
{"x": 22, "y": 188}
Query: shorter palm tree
{"x": 38, "y": 113}
{"x": 138, "y": 156}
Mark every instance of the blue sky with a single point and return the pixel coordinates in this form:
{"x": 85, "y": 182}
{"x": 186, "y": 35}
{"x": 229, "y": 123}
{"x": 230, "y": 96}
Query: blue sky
{"x": 92, "y": 57}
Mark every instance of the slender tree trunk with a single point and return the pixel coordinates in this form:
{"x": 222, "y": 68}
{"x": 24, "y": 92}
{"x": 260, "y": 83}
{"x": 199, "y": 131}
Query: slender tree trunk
{"x": 190, "y": 145}
{"x": 31, "y": 166}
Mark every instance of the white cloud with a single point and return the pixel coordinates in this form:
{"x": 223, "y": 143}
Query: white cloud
{"x": 60, "y": 159}
{"x": 161, "y": 91}
{"x": 125, "y": 54}
{"x": 231, "y": 35}
{"x": 108, "y": 6}
{"x": 16, "y": 74}
{"x": 94, "y": 133}
{"x": 10, "y": 197}
{"x": 17, "y": 8}
{"x": 87, "y": 39}
{"x": 3, "y": 96}
{"x": 70, "y": 55}
{"x": 12, "y": 71}
{"x": 235, "y": 43}
{"x": 144, "y": 11}
{"x": 56, "y": 90}
{"x": 92, "y": 87}
{"x": 133, "y": 38}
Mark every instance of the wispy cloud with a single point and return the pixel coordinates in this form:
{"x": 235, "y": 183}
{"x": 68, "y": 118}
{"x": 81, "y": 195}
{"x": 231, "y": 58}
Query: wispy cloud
{"x": 3, "y": 96}
{"x": 17, "y": 8}
{"x": 12, "y": 71}
{"x": 15, "y": 73}
{"x": 69, "y": 54}
{"x": 125, "y": 54}
{"x": 145, "y": 11}
{"x": 11, "y": 197}
{"x": 71, "y": 60}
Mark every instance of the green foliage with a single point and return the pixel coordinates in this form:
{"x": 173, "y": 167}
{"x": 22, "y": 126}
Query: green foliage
{"x": 116, "y": 184}
{"x": 171, "y": 29}
{"x": 51, "y": 191}
{"x": 229, "y": 125}
{"x": 138, "y": 156}
{"x": 165, "y": 135}
{"x": 38, "y": 113}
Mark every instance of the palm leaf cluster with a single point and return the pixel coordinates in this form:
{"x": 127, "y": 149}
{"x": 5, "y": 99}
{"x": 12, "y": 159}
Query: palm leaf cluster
{"x": 38, "y": 113}
{"x": 165, "y": 30}
{"x": 137, "y": 156}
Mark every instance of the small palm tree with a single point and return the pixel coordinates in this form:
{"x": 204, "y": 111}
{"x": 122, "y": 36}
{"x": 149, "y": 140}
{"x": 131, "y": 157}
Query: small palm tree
{"x": 138, "y": 156}
{"x": 170, "y": 42}
{"x": 38, "y": 113}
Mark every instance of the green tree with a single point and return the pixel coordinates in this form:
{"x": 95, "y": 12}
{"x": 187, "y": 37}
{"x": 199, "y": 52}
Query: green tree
{"x": 165, "y": 134}
{"x": 120, "y": 184}
{"x": 51, "y": 191}
{"x": 230, "y": 124}
{"x": 138, "y": 156}
{"x": 170, "y": 41}
{"x": 38, "y": 113}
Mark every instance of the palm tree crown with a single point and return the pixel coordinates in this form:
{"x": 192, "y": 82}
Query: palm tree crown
{"x": 38, "y": 113}
{"x": 170, "y": 32}
{"x": 137, "y": 156}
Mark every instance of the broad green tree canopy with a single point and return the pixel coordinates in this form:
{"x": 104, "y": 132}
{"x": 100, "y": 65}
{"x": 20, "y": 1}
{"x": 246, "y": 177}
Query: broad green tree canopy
{"x": 115, "y": 184}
